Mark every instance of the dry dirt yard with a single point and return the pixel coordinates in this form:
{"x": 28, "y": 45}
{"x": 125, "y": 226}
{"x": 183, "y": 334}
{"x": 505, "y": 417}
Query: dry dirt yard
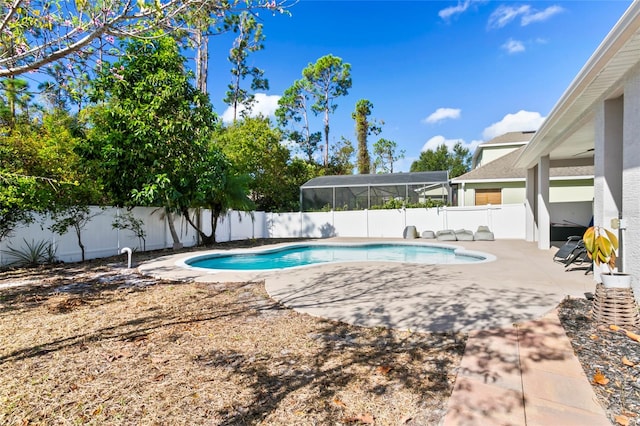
{"x": 95, "y": 343}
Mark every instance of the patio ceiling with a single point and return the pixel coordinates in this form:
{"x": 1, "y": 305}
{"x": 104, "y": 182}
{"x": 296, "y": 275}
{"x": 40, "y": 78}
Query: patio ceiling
{"x": 568, "y": 131}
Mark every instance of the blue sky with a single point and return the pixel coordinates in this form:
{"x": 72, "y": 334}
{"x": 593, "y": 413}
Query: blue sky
{"x": 435, "y": 71}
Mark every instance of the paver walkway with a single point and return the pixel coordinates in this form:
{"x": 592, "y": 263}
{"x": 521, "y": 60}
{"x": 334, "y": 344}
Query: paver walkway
{"x": 524, "y": 375}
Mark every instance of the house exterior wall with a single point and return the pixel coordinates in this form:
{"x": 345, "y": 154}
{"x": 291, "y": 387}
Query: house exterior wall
{"x": 630, "y": 178}
{"x": 577, "y": 190}
{"x": 489, "y": 153}
{"x": 574, "y": 190}
{"x": 514, "y": 194}
{"x": 470, "y": 195}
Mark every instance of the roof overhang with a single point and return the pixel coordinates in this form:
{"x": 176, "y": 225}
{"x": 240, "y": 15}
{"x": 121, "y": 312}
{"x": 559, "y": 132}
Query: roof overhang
{"x": 568, "y": 130}
{"x": 506, "y": 180}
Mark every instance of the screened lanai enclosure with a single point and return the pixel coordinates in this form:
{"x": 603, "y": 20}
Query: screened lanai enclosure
{"x": 357, "y": 192}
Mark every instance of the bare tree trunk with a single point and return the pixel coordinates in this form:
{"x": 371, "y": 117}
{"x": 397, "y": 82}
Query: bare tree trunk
{"x": 215, "y": 214}
{"x": 172, "y": 228}
{"x": 326, "y": 138}
{"x": 78, "y": 235}
{"x": 202, "y": 61}
{"x": 204, "y": 238}
{"x": 236, "y": 94}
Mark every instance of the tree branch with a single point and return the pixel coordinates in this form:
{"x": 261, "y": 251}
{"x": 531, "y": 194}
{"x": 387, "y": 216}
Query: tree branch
{"x": 10, "y": 13}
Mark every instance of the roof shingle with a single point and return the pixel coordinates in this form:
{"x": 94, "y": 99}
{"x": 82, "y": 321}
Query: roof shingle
{"x": 503, "y": 169}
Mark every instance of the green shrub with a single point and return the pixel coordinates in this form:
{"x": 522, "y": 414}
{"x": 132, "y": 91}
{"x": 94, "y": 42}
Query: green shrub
{"x": 32, "y": 254}
{"x": 398, "y": 204}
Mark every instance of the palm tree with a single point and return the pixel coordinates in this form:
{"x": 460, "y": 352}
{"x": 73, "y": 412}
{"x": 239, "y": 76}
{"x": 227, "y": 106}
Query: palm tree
{"x": 218, "y": 188}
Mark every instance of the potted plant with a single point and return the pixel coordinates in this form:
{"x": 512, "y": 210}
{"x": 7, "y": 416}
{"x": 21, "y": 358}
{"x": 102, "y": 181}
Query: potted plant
{"x": 602, "y": 246}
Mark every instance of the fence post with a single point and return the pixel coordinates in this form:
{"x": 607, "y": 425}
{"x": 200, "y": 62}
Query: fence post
{"x": 445, "y": 217}
{"x": 489, "y": 217}
{"x": 118, "y": 228}
{"x": 366, "y": 219}
{"x": 301, "y": 225}
{"x": 333, "y": 220}
{"x": 404, "y": 211}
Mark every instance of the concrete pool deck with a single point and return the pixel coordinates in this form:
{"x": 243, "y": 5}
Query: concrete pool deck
{"x": 522, "y": 284}
{"x": 518, "y": 367}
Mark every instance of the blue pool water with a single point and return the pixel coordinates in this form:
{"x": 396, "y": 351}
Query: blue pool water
{"x": 301, "y": 255}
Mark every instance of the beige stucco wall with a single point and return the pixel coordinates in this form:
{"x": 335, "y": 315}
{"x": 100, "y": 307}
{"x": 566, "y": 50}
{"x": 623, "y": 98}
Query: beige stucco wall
{"x": 488, "y": 154}
{"x": 571, "y": 190}
{"x": 514, "y": 195}
{"x": 514, "y": 192}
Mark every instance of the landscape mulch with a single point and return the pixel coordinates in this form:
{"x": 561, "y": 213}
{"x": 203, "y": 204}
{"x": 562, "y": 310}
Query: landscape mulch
{"x": 610, "y": 357}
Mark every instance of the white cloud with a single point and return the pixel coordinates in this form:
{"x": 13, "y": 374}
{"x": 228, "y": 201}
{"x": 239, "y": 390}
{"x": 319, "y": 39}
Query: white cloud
{"x": 265, "y": 105}
{"x": 519, "y": 122}
{"x": 443, "y": 114}
{"x": 436, "y": 141}
{"x": 454, "y": 10}
{"x": 473, "y": 145}
{"x": 461, "y": 7}
{"x": 540, "y": 16}
{"x": 403, "y": 165}
{"x": 513, "y": 46}
{"x": 505, "y": 14}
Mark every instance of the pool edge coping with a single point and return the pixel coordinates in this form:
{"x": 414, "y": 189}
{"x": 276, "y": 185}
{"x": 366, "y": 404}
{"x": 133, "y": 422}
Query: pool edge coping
{"x": 458, "y": 250}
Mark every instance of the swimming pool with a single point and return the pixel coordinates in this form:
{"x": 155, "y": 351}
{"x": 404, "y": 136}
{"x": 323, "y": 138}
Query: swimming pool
{"x": 298, "y": 255}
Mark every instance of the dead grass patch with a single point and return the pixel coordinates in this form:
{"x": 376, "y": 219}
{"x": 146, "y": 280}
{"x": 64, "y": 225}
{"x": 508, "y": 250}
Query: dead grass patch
{"x": 99, "y": 344}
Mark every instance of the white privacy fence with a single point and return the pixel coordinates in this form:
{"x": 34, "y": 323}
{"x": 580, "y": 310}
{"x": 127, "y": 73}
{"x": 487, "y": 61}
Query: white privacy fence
{"x": 101, "y": 239}
{"x": 506, "y": 221}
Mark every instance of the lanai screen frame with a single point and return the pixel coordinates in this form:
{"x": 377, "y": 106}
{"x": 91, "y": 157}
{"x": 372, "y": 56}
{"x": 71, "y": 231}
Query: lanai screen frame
{"x": 371, "y": 190}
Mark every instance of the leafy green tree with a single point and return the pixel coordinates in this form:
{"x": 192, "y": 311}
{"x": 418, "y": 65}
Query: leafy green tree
{"x": 385, "y": 152}
{"x": 326, "y": 80}
{"x": 151, "y": 131}
{"x": 19, "y": 199}
{"x": 34, "y": 34}
{"x": 456, "y": 162}
{"x": 53, "y": 91}
{"x": 39, "y": 169}
{"x": 340, "y": 160}
{"x": 15, "y": 100}
{"x": 218, "y": 187}
{"x": 253, "y": 146}
{"x": 249, "y": 40}
{"x": 75, "y": 216}
{"x": 298, "y": 172}
{"x": 364, "y": 127}
{"x": 293, "y": 106}
{"x": 128, "y": 221}
{"x": 306, "y": 145}
{"x": 68, "y": 85}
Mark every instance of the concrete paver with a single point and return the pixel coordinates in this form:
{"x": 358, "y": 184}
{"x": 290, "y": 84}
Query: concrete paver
{"x": 518, "y": 367}
{"x": 544, "y": 373}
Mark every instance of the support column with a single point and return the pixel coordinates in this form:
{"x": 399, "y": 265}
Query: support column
{"x": 530, "y": 205}
{"x": 607, "y": 182}
{"x": 544, "y": 217}
{"x": 630, "y": 180}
